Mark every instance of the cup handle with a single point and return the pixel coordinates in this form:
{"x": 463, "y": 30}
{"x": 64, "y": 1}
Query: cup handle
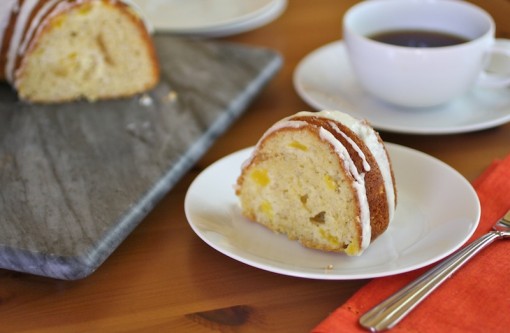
{"x": 497, "y": 72}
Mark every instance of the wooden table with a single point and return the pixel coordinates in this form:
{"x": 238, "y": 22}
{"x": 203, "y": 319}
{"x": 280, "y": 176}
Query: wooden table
{"x": 163, "y": 278}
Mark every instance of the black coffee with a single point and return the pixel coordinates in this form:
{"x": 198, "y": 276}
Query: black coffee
{"x": 418, "y": 38}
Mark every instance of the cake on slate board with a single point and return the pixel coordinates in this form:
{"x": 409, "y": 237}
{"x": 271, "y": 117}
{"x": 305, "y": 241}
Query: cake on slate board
{"x": 63, "y": 50}
{"x": 77, "y": 178}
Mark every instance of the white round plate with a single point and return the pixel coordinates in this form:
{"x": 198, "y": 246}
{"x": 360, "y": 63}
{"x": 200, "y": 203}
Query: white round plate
{"x": 324, "y": 80}
{"x": 437, "y": 212}
{"x": 210, "y": 18}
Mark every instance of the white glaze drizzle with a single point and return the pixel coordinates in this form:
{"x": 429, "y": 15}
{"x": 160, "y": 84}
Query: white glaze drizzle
{"x": 19, "y": 27}
{"x": 8, "y": 7}
{"x": 354, "y": 146}
{"x": 369, "y": 137}
{"x": 359, "y": 186}
{"x": 34, "y": 24}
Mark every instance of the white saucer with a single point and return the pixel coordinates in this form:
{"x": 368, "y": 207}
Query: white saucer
{"x": 436, "y": 213}
{"x": 324, "y": 80}
{"x": 210, "y": 18}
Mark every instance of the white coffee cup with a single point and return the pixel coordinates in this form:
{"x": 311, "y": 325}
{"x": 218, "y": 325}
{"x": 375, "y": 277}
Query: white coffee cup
{"x": 416, "y": 76}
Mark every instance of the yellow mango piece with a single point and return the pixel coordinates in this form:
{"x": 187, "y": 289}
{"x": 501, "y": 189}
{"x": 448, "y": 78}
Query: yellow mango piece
{"x": 266, "y": 208}
{"x": 58, "y": 21}
{"x": 298, "y": 145}
{"x": 329, "y": 237}
{"x": 260, "y": 177}
{"x": 353, "y": 247}
{"x": 85, "y": 9}
{"x": 330, "y": 182}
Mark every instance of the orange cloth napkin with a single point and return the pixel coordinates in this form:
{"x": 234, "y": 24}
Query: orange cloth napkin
{"x": 475, "y": 299}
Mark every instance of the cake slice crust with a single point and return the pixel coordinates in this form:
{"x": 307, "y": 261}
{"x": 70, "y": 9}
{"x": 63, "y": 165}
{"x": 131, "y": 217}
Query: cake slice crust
{"x": 89, "y": 51}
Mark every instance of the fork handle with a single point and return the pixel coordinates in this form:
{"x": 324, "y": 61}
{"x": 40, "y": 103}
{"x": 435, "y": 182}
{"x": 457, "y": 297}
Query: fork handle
{"x": 391, "y": 311}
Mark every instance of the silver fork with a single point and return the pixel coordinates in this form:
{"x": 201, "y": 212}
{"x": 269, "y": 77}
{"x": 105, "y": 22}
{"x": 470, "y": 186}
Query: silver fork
{"x": 391, "y": 311}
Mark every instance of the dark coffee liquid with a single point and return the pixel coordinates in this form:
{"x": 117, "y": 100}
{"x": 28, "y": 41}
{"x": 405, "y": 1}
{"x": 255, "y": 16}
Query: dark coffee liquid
{"x": 418, "y": 38}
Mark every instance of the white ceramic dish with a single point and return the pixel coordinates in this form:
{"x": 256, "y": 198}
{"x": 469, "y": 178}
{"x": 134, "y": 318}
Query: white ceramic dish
{"x": 324, "y": 80}
{"x": 438, "y": 211}
{"x": 210, "y": 18}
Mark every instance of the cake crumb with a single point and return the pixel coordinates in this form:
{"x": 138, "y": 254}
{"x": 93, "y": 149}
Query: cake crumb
{"x": 145, "y": 100}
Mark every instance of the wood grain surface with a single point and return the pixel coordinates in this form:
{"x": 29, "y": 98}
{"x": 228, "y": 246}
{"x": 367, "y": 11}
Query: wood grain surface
{"x": 163, "y": 278}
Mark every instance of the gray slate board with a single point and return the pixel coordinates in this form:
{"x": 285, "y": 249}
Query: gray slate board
{"x": 77, "y": 178}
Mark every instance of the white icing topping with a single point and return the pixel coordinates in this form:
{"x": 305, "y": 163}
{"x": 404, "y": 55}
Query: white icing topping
{"x": 370, "y": 138}
{"x": 5, "y": 14}
{"x": 358, "y": 150}
{"x": 359, "y": 186}
{"x": 35, "y": 24}
{"x": 21, "y": 22}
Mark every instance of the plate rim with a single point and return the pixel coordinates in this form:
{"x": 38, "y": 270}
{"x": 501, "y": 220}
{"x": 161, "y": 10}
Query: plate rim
{"x": 242, "y": 23}
{"x": 329, "y": 275}
{"x": 453, "y": 129}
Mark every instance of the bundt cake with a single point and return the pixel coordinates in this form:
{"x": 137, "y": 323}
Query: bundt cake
{"x": 64, "y": 50}
{"x": 322, "y": 178}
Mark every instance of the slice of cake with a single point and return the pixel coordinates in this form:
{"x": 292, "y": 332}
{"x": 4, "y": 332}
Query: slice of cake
{"x": 64, "y": 50}
{"x": 322, "y": 178}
